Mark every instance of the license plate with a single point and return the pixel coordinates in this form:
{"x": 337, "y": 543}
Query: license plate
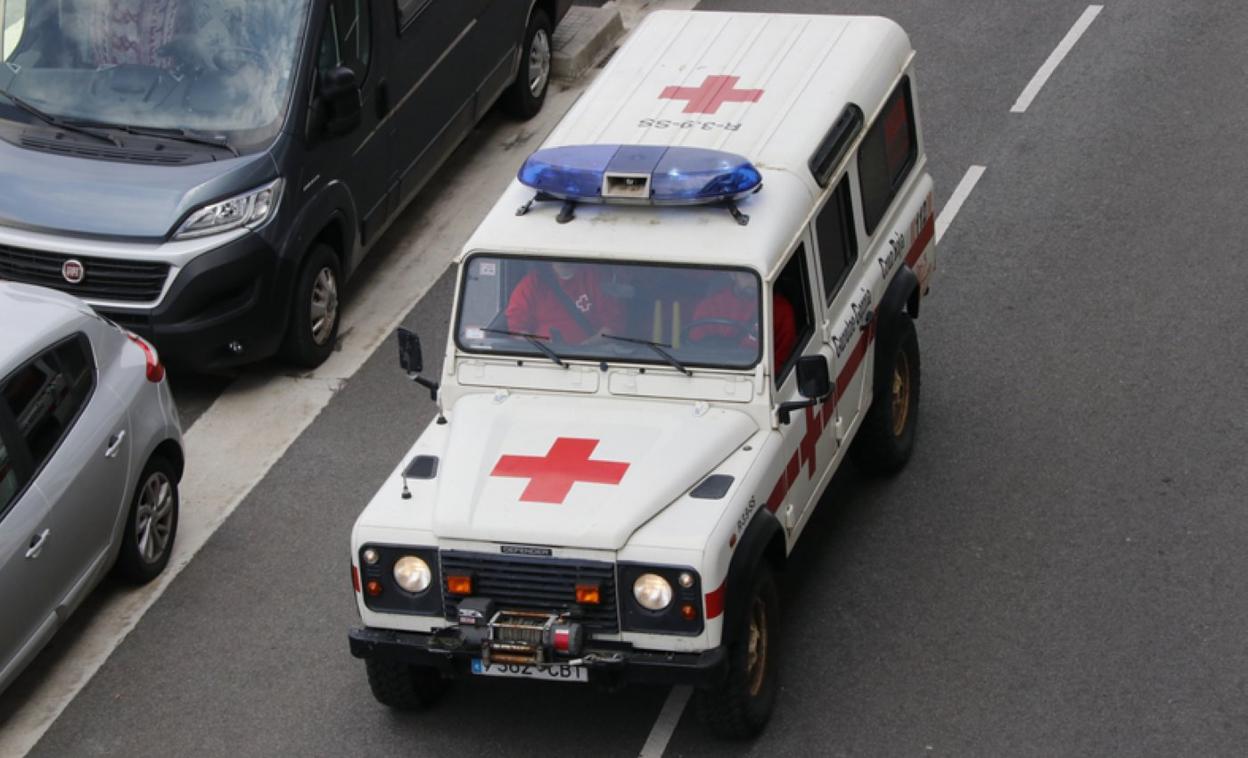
{"x": 555, "y": 673}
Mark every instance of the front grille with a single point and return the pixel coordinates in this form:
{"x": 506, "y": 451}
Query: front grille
{"x": 104, "y": 279}
{"x": 535, "y": 584}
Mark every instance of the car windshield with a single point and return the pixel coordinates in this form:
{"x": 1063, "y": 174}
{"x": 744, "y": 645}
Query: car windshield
{"x": 681, "y": 316}
{"x": 219, "y": 66}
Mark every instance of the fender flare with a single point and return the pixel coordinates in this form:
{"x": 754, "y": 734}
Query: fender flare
{"x": 754, "y": 547}
{"x": 893, "y": 307}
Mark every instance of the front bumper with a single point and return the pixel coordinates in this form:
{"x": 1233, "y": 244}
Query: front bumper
{"x": 608, "y": 663}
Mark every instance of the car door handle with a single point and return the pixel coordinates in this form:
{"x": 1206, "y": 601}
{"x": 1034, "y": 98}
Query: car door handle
{"x": 114, "y": 444}
{"x": 36, "y": 543}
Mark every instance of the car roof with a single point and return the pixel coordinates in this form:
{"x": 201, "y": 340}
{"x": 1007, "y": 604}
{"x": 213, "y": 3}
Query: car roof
{"x": 794, "y": 76}
{"x": 32, "y": 318}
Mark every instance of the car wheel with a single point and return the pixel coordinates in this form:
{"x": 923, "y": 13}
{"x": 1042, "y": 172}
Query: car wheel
{"x": 741, "y": 705}
{"x": 886, "y": 437}
{"x": 151, "y": 524}
{"x": 528, "y": 93}
{"x": 402, "y": 686}
{"x": 313, "y": 332}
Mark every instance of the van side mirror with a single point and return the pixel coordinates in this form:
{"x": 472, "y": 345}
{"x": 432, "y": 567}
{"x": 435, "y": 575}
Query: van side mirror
{"x": 341, "y": 93}
{"x": 813, "y": 382}
{"x": 412, "y": 362}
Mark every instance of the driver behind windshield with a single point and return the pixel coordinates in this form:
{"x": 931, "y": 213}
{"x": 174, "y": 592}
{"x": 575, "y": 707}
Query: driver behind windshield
{"x": 735, "y": 306}
{"x": 565, "y": 302}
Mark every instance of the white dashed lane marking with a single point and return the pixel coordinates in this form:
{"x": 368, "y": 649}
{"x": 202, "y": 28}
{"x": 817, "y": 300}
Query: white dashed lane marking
{"x": 1055, "y": 58}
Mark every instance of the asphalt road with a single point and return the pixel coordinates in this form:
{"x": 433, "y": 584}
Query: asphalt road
{"x": 1059, "y": 570}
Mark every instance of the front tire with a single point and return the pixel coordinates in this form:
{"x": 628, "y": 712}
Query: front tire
{"x": 402, "y": 686}
{"x": 313, "y": 332}
{"x": 527, "y": 94}
{"x": 151, "y": 525}
{"x": 740, "y": 706}
{"x": 886, "y": 438}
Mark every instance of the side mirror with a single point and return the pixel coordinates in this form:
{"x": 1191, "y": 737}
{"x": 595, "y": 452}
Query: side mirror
{"x": 412, "y": 362}
{"x": 345, "y": 102}
{"x": 813, "y": 382}
{"x": 409, "y": 351}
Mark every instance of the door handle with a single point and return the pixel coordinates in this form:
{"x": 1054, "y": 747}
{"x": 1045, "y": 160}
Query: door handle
{"x": 114, "y": 444}
{"x": 36, "y": 543}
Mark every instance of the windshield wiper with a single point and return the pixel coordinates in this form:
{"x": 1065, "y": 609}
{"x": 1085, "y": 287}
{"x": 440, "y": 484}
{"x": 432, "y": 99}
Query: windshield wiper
{"x": 657, "y": 347}
{"x": 59, "y": 123}
{"x": 176, "y": 134}
{"x": 535, "y": 340}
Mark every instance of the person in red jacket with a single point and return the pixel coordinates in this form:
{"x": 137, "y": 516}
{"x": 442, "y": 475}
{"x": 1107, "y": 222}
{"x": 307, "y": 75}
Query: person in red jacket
{"x": 581, "y": 309}
{"x": 739, "y": 302}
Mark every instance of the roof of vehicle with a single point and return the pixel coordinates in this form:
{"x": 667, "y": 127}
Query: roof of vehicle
{"x": 31, "y": 317}
{"x": 765, "y": 86}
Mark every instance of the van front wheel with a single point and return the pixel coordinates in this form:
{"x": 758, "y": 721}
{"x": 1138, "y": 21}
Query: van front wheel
{"x": 313, "y": 331}
{"x": 527, "y": 94}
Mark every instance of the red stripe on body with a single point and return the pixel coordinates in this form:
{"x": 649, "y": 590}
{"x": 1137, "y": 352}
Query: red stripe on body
{"x": 920, "y": 243}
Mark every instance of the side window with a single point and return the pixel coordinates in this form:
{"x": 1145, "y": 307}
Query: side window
{"x": 836, "y": 239}
{"x": 887, "y": 154}
{"x": 9, "y": 483}
{"x": 792, "y": 313}
{"x": 406, "y": 10}
{"x": 46, "y": 395}
{"x": 346, "y": 39}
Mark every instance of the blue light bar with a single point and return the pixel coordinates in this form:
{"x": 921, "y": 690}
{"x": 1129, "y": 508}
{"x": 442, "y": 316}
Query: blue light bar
{"x": 640, "y": 174}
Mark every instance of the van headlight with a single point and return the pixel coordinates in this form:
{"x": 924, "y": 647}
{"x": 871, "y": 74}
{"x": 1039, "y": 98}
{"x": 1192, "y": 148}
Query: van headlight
{"x": 412, "y": 574}
{"x": 249, "y": 209}
{"x": 652, "y": 592}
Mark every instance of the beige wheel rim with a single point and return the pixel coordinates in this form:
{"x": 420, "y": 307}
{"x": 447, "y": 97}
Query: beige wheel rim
{"x": 756, "y": 650}
{"x": 901, "y": 394}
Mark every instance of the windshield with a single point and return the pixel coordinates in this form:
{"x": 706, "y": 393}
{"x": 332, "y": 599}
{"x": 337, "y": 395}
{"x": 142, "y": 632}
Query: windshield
{"x": 221, "y": 66}
{"x": 615, "y": 312}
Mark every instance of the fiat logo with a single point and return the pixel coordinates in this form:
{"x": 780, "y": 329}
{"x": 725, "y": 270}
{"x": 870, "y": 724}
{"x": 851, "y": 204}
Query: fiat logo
{"x": 73, "y": 271}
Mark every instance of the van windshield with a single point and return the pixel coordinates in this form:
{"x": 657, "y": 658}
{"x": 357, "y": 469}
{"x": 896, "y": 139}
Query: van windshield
{"x": 683, "y": 316}
{"x": 219, "y": 66}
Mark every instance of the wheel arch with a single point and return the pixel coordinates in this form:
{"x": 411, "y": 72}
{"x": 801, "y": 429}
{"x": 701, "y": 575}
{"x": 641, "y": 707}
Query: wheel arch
{"x": 171, "y": 451}
{"x": 763, "y": 543}
{"x": 900, "y": 301}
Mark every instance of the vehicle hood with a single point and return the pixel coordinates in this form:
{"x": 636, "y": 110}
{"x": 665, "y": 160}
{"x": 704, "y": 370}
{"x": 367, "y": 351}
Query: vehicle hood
{"x": 646, "y": 455}
{"x": 81, "y": 196}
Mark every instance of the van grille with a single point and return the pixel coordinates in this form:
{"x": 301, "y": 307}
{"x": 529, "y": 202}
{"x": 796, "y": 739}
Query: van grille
{"x": 104, "y": 279}
{"x": 535, "y": 584}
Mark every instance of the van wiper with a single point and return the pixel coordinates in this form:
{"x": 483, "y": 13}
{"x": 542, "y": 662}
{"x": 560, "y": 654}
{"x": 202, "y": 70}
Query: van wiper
{"x": 59, "y": 123}
{"x": 176, "y": 134}
{"x": 657, "y": 347}
{"x": 535, "y": 340}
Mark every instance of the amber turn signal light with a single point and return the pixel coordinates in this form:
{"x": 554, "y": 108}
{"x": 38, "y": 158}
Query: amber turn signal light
{"x": 373, "y": 588}
{"x": 588, "y": 594}
{"x": 688, "y": 611}
{"x": 459, "y": 585}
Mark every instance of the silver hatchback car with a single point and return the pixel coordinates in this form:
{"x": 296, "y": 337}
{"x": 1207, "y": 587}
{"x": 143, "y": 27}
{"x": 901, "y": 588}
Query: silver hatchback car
{"x": 90, "y": 459}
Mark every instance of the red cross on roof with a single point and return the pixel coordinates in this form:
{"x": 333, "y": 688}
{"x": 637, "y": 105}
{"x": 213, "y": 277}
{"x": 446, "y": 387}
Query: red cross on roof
{"x": 551, "y": 477}
{"x": 714, "y": 92}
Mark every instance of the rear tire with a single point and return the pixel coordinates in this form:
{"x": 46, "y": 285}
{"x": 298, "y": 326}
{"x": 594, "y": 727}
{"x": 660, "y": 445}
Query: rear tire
{"x": 741, "y": 705}
{"x": 151, "y": 524}
{"x": 316, "y": 310}
{"x": 526, "y": 95}
{"x": 402, "y": 686}
{"x": 886, "y": 438}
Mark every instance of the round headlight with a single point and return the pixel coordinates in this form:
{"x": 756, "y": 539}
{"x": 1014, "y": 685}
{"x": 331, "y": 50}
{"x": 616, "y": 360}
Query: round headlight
{"x": 652, "y": 591}
{"x": 412, "y": 574}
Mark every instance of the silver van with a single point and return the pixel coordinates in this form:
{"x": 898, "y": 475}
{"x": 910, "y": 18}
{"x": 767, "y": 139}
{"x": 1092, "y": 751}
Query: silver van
{"x": 208, "y": 172}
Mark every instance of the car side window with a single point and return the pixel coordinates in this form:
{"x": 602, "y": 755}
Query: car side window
{"x": 887, "y": 154}
{"x": 837, "y": 239}
{"x": 793, "y": 319}
{"x": 346, "y": 39}
{"x": 406, "y": 10}
{"x": 47, "y": 394}
{"x": 9, "y": 483}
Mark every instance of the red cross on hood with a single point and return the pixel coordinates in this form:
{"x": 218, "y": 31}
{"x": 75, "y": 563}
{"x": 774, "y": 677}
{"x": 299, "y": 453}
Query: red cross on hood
{"x": 576, "y": 472}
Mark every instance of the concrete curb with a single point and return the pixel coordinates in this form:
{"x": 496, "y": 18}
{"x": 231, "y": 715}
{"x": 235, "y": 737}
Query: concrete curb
{"x": 583, "y": 38}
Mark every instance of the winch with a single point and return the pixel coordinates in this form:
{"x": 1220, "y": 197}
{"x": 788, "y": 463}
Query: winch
{"x": 517, "y": 636}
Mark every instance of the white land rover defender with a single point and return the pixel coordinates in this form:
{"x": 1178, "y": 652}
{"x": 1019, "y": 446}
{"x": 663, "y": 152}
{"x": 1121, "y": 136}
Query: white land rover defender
{"x": 697, "y": 297}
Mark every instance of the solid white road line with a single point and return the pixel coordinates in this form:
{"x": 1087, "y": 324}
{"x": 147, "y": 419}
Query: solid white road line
{"x": 1046, "y": 70}
{"x": 954, "y": 203}
{"x": 669, "y": 717}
